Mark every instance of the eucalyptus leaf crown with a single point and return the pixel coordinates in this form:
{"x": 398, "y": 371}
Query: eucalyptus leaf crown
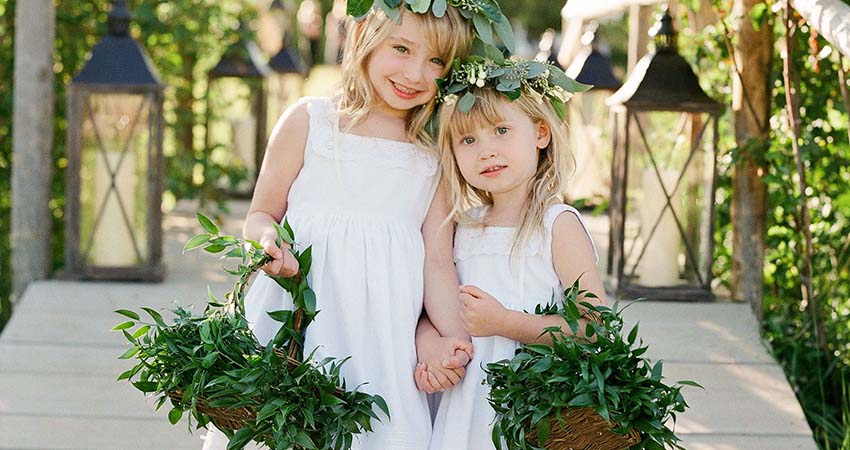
{"x": 508, "y": 76}
{"x": 486, "y": 15}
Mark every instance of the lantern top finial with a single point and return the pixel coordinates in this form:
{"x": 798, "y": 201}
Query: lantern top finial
{"x": 117, "y": 61}
{"x": 664, "y": 32}
{"x": 593, "y": 65}
{"x": 119, "y": 19}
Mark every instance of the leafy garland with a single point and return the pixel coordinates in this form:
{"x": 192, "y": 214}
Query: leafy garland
{"x": 486, "y": 15}
{"x": 607, "y": 374}
{"x": 508, "y": 76}
{"x": 214, "y": 360}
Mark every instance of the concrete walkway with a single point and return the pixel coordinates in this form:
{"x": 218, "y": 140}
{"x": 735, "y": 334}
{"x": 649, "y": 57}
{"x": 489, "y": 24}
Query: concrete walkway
{"x": 58, "y": 364}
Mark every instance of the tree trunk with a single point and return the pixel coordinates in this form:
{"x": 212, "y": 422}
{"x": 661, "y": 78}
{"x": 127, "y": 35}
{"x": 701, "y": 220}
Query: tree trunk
{"x": 751, "y": 108}
{"x": 32, "y": 142}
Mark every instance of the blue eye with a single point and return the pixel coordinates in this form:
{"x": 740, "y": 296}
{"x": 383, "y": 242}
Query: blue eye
{"x": 469, "y": 140}
{"x": 502, "y": 130}
{"x": 438, "y": 62}
{"x": 401, "y": 48}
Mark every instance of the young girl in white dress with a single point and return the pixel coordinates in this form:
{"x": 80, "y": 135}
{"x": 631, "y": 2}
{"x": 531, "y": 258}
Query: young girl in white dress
{"x": 357, "y": 178}
{"x": 517, "y": 249}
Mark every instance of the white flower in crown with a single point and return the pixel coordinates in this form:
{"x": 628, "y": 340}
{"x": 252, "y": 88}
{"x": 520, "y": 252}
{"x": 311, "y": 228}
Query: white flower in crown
{"x": 561, "y": 94}
{"x": 450, "y": 99}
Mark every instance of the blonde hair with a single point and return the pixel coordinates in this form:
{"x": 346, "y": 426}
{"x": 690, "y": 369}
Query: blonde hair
{"x": 554, "y": 167}
{"x": 449, "y": 36}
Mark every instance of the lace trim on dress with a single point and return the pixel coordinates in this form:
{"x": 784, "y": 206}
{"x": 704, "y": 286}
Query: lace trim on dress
{"x": 384, "y": 153}
{"x": 471, "y": 242}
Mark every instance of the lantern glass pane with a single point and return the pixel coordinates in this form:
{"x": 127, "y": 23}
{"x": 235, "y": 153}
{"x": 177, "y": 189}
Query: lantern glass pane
{"x": 284, "y": 90}
{"x": 589, "y": 134}
{"x": 116, "y": 139}
{"x": 233, "y": 129}
{"x": 666, "y": 242}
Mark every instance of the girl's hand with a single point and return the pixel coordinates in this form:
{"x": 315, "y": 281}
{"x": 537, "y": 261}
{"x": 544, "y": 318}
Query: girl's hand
{"x": 482, "y": 315}
{"x": 441, "y": 363}
{"x": 284, "y": 264}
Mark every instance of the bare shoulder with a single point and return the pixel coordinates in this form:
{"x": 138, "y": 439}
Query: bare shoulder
{"x": 569, "y": 231}
{"x": 294, "y": 123}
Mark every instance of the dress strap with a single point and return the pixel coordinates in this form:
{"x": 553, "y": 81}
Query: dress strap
{"x": 556, "y": 210}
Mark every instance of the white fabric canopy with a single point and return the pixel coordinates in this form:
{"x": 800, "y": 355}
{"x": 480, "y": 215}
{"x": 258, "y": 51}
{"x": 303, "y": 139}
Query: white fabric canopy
{"x": 590, "y": 9}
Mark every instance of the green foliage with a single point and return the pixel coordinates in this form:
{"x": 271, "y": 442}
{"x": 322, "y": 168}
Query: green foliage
{"x": 7, "y": 32}
{"x": 603, "y": 369}
{"x": 816, "y": 373}
{"x": 183, "y": 39}
{"x": 511, "y": 77}
{"x": 486, "y": 15}
{"x": 214, "y": 360}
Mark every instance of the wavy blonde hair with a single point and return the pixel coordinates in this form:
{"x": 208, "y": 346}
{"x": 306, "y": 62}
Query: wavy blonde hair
{"x": 554, "y": 167}
{"x": 449, "y": 36}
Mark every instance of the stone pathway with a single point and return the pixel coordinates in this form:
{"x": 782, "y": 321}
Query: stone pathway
{"x": 58, "y": 363}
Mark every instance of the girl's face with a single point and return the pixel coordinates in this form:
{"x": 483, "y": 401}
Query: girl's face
{"x": 502, "y": 158}
{"x": 403, "y": 70}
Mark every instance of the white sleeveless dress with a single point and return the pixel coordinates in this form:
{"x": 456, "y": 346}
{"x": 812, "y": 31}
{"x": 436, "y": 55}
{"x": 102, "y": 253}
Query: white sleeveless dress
{"x": 360, "y": 202}
{"x": 482, "y": 256}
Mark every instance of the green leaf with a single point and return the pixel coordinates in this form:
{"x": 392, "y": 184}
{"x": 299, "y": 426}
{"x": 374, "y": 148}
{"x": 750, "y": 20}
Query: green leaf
{"x": 157, "y": 317}
{"x": 209, "y": 360}
{"x": 175, "y": 415}
{"x": 207, "y": 224}
{"x": 543, "y": 428}
{"x": 215, "y": 248}
{"x": 466, "y": 102}
{"x": 196, "y": 242}
{"x": 141, "y": 331}
{"x": 439, "y": 8}
{"x": 483, "y": 28}
{"x": 656, "y": 371}
{"x": 128, "y": 313}
{"x": 304, "y": 440}
{"x": 281, "y": 316}
{"x": 633, "y": 334}
{"x": 358, "y": 8}
{"x": 309, "y": 300}
{"x": 382, "y": 404}
{"x": 505, "y": 33}
{"x": 240, "y": 439}
{"x": 124, "y": 325}
{"x": 419, "y": 6}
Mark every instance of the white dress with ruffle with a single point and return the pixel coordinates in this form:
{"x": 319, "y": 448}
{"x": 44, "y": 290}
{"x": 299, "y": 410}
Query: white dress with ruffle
{"x": 483, "y": 259}
{"x": 360, "y": 202}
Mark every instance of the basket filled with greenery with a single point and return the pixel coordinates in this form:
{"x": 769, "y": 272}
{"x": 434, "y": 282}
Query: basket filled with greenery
{"x": 592, "y": 392}
{"x": 212, "y": 365}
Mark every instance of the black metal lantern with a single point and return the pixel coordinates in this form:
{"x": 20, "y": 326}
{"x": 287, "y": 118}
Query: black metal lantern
{"x": 113, "y": 218}
{"x": 288, "y": 67}
{"x": 589, "y": 121}
{"x": 663, "y": 178}
{"x": 236, "y": 111}
{"x": 287, "y": 80}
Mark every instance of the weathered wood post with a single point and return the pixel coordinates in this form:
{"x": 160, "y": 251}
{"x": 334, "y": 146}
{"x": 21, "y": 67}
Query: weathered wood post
{"x": 32, "y": 142}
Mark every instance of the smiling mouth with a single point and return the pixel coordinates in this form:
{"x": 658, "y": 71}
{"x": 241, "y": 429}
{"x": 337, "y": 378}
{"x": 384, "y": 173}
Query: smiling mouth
{"x": 406, "y": 91}
{"x": 492, "y": 170}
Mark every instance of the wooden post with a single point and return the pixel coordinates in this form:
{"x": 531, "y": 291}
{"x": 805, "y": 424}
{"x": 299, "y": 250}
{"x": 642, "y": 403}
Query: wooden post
{"x": 640, "y": 20}
{"x": 32, "y": 142}
{"x": 751, "y": 108}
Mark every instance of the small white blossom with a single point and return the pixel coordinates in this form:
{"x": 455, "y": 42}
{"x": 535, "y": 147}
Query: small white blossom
{"x": 480, "y": 82}
{"x": 450, "y": 99}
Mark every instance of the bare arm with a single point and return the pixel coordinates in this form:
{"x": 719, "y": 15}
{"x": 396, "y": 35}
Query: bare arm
{"x": 441, "y": 283}
{"x": 572, "y": 256}
{"x": 281, "y": 164}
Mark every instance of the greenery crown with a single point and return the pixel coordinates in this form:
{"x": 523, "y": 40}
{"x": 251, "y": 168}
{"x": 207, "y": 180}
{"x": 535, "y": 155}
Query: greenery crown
{"x": 508, "y": 76}
{"x": 486, "y": 15}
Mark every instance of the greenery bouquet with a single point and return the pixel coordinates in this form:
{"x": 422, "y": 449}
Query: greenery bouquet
{"x": 212, "y": 366}
{"x": 593, "y": 392}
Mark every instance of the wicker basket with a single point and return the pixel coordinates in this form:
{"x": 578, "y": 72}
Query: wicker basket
{"x": 584, "y": 429}
{"x": 234, "y": 419}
